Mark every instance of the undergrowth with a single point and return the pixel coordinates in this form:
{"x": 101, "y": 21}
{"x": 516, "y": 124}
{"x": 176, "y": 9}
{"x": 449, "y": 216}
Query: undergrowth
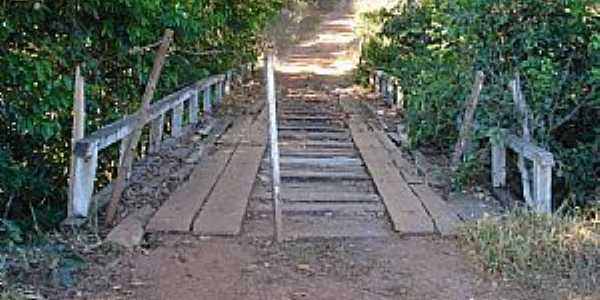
{"x": 559, "y": 254}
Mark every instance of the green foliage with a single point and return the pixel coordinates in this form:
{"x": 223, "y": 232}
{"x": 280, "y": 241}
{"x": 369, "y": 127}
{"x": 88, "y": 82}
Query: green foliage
{"x": 42, "y": 42}
{"x": 435, "y": 47}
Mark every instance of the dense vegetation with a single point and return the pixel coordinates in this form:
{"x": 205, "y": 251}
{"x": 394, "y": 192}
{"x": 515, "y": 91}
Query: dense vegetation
{"x": 434, "y": 47}
{"x": 42, "y": 42}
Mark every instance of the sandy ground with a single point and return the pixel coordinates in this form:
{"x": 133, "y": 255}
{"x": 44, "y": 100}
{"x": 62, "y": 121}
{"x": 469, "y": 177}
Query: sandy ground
{"x": 187, "y": 267}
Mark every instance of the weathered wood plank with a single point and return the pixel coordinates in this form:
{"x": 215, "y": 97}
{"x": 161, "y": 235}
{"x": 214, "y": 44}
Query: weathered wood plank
{"x": 322, "y": 175}
{"x": 294, "y": 135}
{"x": 406, "y": 168}
{"x": 445, "y": 218}
{"x": 178, "y": 212}
{"x": 312, "y": 128}
{"x": 406, "y": 212}
{"x": 337, "y": 208}
{"x": 226, "y": 205}
{"x": 295, "y": 195}
{"x": 322, "y": 227}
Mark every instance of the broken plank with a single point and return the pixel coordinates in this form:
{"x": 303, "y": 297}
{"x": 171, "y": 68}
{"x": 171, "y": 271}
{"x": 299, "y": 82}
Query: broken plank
{"x": 406, "y": 212}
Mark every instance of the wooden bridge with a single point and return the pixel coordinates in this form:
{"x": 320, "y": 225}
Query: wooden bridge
{"x": 341, "y": 175}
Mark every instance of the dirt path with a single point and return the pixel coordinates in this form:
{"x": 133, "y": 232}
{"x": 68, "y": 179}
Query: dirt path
{"x": 251, "y": 267}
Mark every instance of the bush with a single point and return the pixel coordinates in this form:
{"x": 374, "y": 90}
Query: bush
{"x": 435, "y": 47}
{"x": 42, "y": 42}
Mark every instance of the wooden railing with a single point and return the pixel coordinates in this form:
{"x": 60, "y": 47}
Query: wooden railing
{"x": 86, "y": 149}
{"x": 543, "y": 161}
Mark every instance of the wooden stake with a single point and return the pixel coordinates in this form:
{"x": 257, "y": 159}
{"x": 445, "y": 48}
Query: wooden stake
{"x": 522, "y": 108}
{"x": 467, "y": 124}
{"x": 78, "y": 129}
{"x": 276, "y": 180}
{"x": 142, "y": 116}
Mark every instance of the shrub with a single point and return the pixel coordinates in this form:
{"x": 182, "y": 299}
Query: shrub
{"x": 434, "y": 47}
{"x": 42, "y": 42}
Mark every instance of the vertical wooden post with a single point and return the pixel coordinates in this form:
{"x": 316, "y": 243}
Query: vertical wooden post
{"x": 498, "y": 164}
{"x": 399, "y": 96}
{"x": 207, "y": 101}
{"x": 142, "y": 116}
{"x": 77, "y": 134}
{"x": 228, "y": 77}
{"x": 123, "y": 152}
{"x": 271, "y": 98}
{"x": 376, "y": 82}
{"x": 83, "y": 183}
{"x": 177, "y": 120}
{"x": 465, "y": 130}
{"x": 542, "y": 187}
{"x": 219, "y": 91}
{"x": 521, "y": 106}
{"x": 194, "y": 107}
{"x": 156, "y": 133}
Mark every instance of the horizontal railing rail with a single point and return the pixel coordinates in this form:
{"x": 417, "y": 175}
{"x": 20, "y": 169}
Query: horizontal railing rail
{"x": 86, "y": 150}
{"x": 388, "y": 87}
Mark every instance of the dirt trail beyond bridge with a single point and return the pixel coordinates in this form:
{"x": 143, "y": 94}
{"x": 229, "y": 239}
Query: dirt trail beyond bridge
{"x": 355, "y": 227}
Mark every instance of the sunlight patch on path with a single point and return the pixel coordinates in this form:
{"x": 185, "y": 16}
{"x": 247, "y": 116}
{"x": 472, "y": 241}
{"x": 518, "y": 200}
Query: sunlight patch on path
{"x": 334, "y": 51}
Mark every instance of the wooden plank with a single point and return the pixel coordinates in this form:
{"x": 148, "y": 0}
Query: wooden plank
{"x": 312, "y": 128}
{"x": 178, "y": 212}
{"x": 292, "y": 135}
{"x": 317, "y": 144}
{"x": 319, "y": 153}
{"x": 322, "y": 175}
{"x": 328, "y": 197}
{"x": 408, "y": 169}
{"x": 337, "y": 208}
{"x": 445, "y": 218}
{"x": 308, "y": 118}
{"x": 322, "y": 162}
{"x": 321, "y": 227}
{"x": 406, "y": 212}
{"x": 295, "y": 195}
{"x": 225, "y": 208}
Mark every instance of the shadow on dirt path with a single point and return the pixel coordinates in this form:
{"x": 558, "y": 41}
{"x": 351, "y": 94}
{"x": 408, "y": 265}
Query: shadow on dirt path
{"x": 187, "y": 267}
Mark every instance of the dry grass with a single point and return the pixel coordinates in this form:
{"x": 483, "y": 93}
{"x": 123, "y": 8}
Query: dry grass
{"x": 558, "y": 254}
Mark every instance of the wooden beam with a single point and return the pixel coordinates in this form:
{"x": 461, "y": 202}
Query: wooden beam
{"x": 142, "y": 116}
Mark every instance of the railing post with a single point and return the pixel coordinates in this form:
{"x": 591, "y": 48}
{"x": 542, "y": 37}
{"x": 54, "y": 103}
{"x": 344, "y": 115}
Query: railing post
{"x": 227, "y": 88}
{"x": 194, "y": 107}
{"x": 176, "y": 120}
{"x": 83, "y": 183}
{"x": 542, "y": 186}
{"x": 276, "y": 180}
{"x": 219, "y": 91}
{"x": 399, "y": 96}
{"x": 77, "y": 134}
{"x": 498, "y": 164}
{"x": 207, "y": 106}
{"x": 122, "y": 149}
{"x": 156, "y": 133}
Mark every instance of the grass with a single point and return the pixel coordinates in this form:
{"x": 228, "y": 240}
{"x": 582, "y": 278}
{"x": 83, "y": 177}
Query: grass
{"x": 558, "y": 254}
